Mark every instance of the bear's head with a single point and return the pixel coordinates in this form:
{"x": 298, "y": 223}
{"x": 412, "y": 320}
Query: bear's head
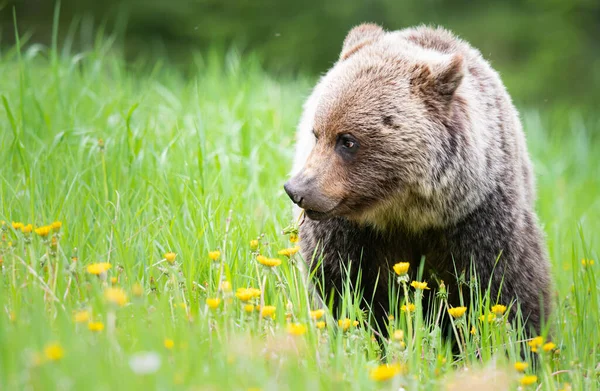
{"x": 382, "y": 122}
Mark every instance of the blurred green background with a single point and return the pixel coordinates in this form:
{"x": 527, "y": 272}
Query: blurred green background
{"x": 547, "y": 51}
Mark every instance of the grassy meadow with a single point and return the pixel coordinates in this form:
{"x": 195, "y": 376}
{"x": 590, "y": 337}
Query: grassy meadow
{"x": 161, "y": 181}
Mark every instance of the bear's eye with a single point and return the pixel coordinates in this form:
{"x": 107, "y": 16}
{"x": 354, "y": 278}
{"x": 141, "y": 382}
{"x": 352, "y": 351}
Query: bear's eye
{"x": 346, "y": 145}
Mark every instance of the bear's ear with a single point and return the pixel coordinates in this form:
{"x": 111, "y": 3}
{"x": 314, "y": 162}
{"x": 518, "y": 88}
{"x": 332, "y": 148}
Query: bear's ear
{"x": 441, "y": 82}
{"x": 359, "y": 37}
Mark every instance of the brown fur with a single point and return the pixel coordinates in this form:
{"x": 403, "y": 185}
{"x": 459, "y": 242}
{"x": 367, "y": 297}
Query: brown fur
{"x": 438, "y": 168}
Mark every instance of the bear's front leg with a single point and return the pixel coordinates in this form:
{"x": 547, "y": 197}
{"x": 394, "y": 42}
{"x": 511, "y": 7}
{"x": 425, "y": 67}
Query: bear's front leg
{"x": 342, "y": 255}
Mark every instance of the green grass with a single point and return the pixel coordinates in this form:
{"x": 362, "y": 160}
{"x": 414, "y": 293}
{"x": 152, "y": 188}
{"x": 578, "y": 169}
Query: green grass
{"x": 196, "y": 163}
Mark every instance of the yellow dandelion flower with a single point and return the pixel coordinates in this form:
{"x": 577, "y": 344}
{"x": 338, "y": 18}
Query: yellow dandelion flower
{"x": 81, "y": 316}
{"x": 490, "y": 318}
{"x": 296, "y": 329}
{"x": 344, "y": 323}
{"x": 401, "y": 268}
{"x": 43, "y": 231}
{"x": 528, "y": 380}
{"x": 213, "y": 303}
{"x": 253, "y": 244}
{"x": 473, "y": 330}
{"x": 535, "y": 343}
{"x": 521, "y": 366}
{"x": 549, "y": 346}
{"x": 317, "y": 314}
{"x": 320, "y": 324}
{"x": 248, "y": 308}
{"x": 137, "y": 289}
{"x": 225, "y": 286}
{"x": 170, "y": 257}
{"x": 499, "y": 309}
{"x": 410, "y": 307}
{"x": 169, "y": 343}
{"x": 288, "y": 252}
{"x": 390, "y": 317}
{"x": 113, "y": 280}
{"x": 268, "y": 311}
{"x": 245, "y": 294}
{"x": 27, "y": 229}
{"x": 587, "y": 262}
{"x": 96, "y": 326}
{"x": 457, "y": 312}
{"x": 116, "y": 296}
{"x": 17, "y": 226}
{"x": 385, "y": 372}
{"x": 419, "y": 285}
{"x": 355, "y": 323}
{"x": 54, "y": 351}
{"x": 56, "y": 226}
{"x": 98, "y": 268}
{"x": 294, "y": 237}
{"x": 214, "y": 255}
{"x": 270, "y": 262}
{"x": 399, "y": 335}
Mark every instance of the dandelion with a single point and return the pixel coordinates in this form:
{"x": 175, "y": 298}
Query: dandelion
{"x": 54, "y": 351}
{"x": 245, "y": 294}
{"x": 419, "y": 285}
{"x": 114, "y": 280}
{"x": 294, "y": 237}
{"x": 213, "y": 303}
{"x": 225, "y": 286}
{"x": 385, "y": 372}
{"x": 535, "y": 343}
{"x": 253, "y": 244}
{"x": 345, "y": 323}
{"x": 81, "y": 316}
{"x": 587, "y": 262}
{"x": 248, "y": 308}
{"x": 317, "y": 314}
{"x": 144, "y": 363}
{"x": 549, "y": 346}
{"x": 355, "y": 323}
{"x": 473, "y": 330}
{"x": 96, "y": 326}
{"x": 296, "y": 329}
{"x": 27, "y": 229}
{"x": 499, "y": 309}
{"x": 17, "y": 226}
{"x": 269, "y": 262}
{"x": 320, "y": 324}
{"x": 169, "y": 343}
{"x": 170, "y": 257}
{"x": 521, "y": 366}
{"x": 116, "y": 296}
{"x": 137, "y": 290}
{"x": 528, "y": 380}
{"x": 457, "y": 312}
{"x": 43, "y": 231}
{"x": 56, "y": 226}
{"x": 214, "y": 255}
{"x": 490, "y": 318}
{"x": 410, "y": 307}
{"x": 98, "y": 268}
{"x": 399, "y": 335}
{"x": 288, "y": 252}
{"x": 401, "y": 268}
{"x": 268, "y": 311}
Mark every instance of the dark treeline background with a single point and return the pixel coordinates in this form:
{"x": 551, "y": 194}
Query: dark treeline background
{"x": 547, "y": 51}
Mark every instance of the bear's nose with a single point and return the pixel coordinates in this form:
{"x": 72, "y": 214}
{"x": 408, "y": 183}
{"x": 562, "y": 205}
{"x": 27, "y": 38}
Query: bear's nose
{"x": 292, "y": 192}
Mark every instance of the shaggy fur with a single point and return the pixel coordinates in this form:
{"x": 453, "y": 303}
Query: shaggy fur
{"x": 437, "y": 168}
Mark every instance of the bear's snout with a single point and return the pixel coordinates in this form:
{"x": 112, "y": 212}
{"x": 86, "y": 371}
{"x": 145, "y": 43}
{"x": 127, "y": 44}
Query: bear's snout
{"x": 305, "y": 193}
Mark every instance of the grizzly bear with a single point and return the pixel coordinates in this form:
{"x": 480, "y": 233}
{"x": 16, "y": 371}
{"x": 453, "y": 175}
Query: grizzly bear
{"x": 409, "y": 148}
